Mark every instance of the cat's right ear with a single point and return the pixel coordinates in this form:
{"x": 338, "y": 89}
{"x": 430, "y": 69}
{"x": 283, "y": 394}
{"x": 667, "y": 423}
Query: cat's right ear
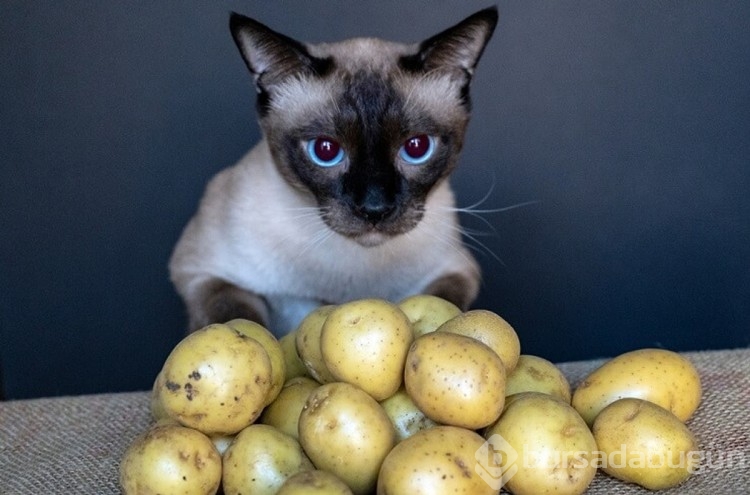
{"x": 271, "y": 57}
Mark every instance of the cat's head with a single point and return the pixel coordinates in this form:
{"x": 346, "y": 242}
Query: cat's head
{"x": 367, "y": 127}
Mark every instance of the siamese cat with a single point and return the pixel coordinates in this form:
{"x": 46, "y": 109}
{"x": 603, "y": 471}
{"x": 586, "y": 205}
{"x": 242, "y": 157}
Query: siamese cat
{"x": 347, "y": 195}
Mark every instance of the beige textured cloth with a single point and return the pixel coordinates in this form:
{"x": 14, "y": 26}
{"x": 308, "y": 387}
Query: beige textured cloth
{"x": 72, "y": 445}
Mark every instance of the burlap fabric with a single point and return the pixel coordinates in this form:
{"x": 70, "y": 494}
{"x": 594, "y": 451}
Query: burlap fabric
{"x": 72, "y": 445}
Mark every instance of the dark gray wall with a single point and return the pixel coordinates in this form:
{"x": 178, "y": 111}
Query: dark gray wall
{"x": 628, "y": 123}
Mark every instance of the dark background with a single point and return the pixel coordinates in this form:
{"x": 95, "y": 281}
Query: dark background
{"x": 627, "y": 122}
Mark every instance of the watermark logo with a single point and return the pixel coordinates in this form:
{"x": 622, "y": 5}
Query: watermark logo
{"x": 496, "y": 461}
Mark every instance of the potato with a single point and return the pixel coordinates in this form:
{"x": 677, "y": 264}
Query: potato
{"x": 364, "y": 343}
{"x": 215, "y": 380}
{"x": 293, "y": 364}
{"x": 437, "y": 460}
{"x": 546, "y": 446}
{"x": 314, "y": 482}
{"x": 455, "y": 380}
{"x": 536, "y": 374}
{"x": 344, "y": 431}
{"x": 272, "y": 347}
{"x": 645, "y": 444}
{"x": 260, "y": 459}
{"x": 155, "y": 405}
{"x": 427, "y": 312}
{"x": 657, "y": 375}
{"x": 406, "y": 417}
{"x": 283, "y": 413}
{"x": 308, "y": 344}
{"x": 490, "y": 329}
{"x": 170, "y": 458}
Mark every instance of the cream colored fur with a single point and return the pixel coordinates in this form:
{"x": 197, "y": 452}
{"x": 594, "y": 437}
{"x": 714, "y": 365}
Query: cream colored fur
{"x": 255, "y": 231}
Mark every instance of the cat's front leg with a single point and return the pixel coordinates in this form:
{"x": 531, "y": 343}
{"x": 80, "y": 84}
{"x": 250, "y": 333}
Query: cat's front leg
{"x": 458, "y": 288}
{"x": 218, "y": 301}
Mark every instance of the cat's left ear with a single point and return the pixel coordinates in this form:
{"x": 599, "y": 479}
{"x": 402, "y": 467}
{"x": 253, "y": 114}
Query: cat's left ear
{"x": 458, "y": 47}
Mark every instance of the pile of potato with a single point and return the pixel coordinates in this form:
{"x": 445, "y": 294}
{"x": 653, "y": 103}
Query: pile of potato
{"x": 408, "y": 398}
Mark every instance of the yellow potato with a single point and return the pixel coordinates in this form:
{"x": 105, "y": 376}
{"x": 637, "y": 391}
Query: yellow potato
{"x": 215, "y": 380}
{"x": 657, "y": 375}
{"x": 260, "y": 460}
{"x": 406, "y": 417}
{"x": 156, "y": 407}
{"x": 544, "y": 446}
{"x": 536, "y": 374}
{"x": 170, "y": 459}
{"x": 437, "y": 460}
{"x": 490, "y": 329}
{"x": 364, "y": 343}
{"x": 314, "y": 482}
{"x": 455, "y": 380}
{"x": 308, "y": 344}
{"x": 272, "y": 347}
{"x": 283, "y": 413}
{"x": 344, "y": 431}
{"x": 427, "y": 312}
{"x": 293, "y": 364}
{"x": 644, "y": 443}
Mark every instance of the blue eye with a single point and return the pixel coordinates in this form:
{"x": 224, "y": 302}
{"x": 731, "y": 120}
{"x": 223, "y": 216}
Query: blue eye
{"x": 325, "y": 151}
{"x": 417, "y": 149}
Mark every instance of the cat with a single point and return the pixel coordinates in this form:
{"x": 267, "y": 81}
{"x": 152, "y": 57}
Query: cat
{"x": 346, "y": 196}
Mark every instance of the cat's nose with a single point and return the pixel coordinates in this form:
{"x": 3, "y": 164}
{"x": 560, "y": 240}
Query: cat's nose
{"x": 375, "y": 206}
{"x": 376, "y": 212}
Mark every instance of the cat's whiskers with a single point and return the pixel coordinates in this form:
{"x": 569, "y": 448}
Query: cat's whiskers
{"x": 305, "y": 212}
{"x": 472, "y": 236}
{"x": 303, "y": 231}
{"x": 303, "y": 216}
{"x": 479, "y": 213}
{"x": 450, "y": 242}
{"x": 475, "y": 211}
{"x": 318, "y": 239}
{"x": 470, "y": 210}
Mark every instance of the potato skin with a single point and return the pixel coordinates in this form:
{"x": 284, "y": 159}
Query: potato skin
{"x": 308, "y": 344}
{"x": 260, "y": 459}
{"x": 427, "y": 312}
{"x": 292, "y": 363}
{"x": 490, "y": 329}
{"x": 215, "y": 380}
{"x": 455, "y": 380}
{"x": 406, "y": 417}
{"x": 364, "y": 343}
{"x": 283, "y": 413}
{"x": 657, "y": 375}
{"x": 554, "y": 447}
{"x": 169, "y": 458}
{"x": 645, "y": 444}
{"x": 437, "y": 460}
{"x": 345, "y": 431}
{"x": 272, "y": 347}
{"x": 314, "y": 482}
{"x": 536, "y": 374}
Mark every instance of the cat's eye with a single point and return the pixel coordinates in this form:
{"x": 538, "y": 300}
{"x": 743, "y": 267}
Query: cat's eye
{"x": 417, "y": 149}
{"x": 325, "y": 151}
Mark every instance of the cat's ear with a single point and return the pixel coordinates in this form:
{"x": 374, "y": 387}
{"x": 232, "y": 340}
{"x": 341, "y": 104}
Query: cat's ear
{"x": 271, "y": 57}
{"x": 458, "y": 47}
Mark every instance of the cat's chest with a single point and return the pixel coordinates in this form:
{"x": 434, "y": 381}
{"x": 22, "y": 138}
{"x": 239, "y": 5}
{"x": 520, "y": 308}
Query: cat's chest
{"x": 316, "y": 262}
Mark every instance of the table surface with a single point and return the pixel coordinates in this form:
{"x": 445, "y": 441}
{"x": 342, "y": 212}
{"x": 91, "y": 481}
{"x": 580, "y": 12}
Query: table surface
{"x": 73, "y": 445}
